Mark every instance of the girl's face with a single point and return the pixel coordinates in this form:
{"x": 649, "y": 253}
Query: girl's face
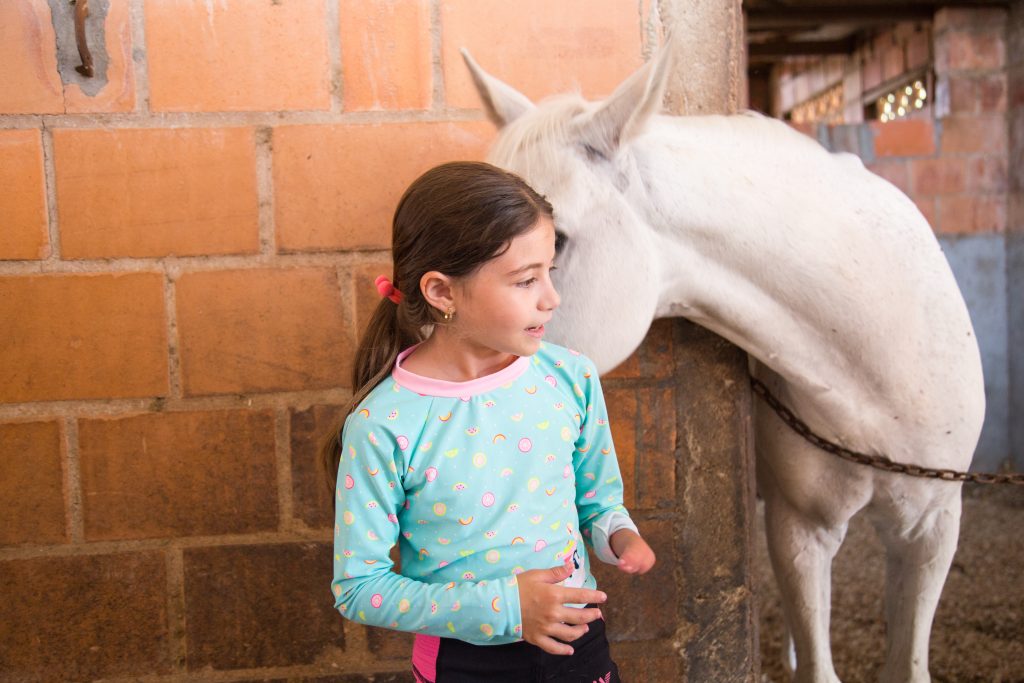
{"x": 504, "y": 305}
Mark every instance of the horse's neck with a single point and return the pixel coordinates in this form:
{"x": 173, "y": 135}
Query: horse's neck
{"x": 795, "y": 277}
{"x": 695, "y": 198}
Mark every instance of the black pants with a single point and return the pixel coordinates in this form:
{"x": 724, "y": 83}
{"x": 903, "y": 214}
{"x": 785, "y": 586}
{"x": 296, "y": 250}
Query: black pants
{"x": 462, "y": 662}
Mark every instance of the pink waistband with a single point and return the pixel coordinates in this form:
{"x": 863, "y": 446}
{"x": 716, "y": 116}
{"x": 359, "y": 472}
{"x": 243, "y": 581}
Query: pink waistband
{"x": 424, "y": 655}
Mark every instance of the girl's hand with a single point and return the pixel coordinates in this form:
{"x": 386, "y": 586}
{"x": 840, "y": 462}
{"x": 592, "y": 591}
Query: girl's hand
{"x": 545, "y": 616}
{"x": 635, "y": 556}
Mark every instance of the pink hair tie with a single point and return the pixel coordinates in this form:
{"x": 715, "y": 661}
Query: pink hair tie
{"x": 387, "y": 288}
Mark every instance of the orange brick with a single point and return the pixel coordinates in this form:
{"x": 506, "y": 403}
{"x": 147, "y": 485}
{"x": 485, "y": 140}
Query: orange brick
{"x": 262, "y": 330}
{"x": 237, "y": 56}
{"x": 962, "y": 51}
{"x": 31, "y": 82}
{"x": 119, "y": 92}
{"x": 228, "y": 627}
{"x": 635, "y": 613}
{"x": 871, "y": 72}
{"x": 892, "y": 62}
{"x": 808, "y": 129}
{"x": 82, "y": 336}
{"x": 84, "y": 618}
{"x": 928, "y": 208}
{"x": 385, "y": 53}
{"x": 652, "y": 359}
{"x": 310, "y": 491}
{"x": 894, "y": 170}
{"x": 1015, "y": 88}
{"x": 366, "y": 294}
{"x": 946, "y": 175}
{"x": 970, "y": 214}
{"x": 656, "y": 353}
{"x": 655, "y": 468}
{"x": 919, "y": 49}
{"x": 992, "y": 93}
{"x": 987, "y": 174}
{"x": 1015, "y": 210}
{"x": 31, "y": 483}
{"x": 904, "y": 138}
{"x": 23, "y": 201}
{"x": 540, "y": 48}
{"x": 627, "y": 369}
{"x": 622, "y": 417}
{"x": 336, "y": 187}
{"x": 968, "y": 17}
{"x": 178, "y": 474}
{"x": 157, "y": 192}
{"x": 963, "y": 95}
{"x": 385, "y": 643}
{"x": 974, "y": 134}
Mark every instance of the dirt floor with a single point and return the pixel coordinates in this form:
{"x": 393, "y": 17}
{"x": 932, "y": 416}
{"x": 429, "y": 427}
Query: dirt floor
{"x": 978, "y": 634}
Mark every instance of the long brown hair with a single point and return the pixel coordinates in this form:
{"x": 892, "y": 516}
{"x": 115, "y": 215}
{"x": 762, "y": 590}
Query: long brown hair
{"x": 452, "y": 219}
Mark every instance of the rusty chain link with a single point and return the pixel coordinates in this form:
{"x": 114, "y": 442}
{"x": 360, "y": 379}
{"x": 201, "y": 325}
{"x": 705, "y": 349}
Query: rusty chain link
{"x": 877, "y": 461}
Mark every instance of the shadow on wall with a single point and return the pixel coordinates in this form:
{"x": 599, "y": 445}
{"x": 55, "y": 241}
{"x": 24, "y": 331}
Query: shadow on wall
{"x": 979, "y": 264}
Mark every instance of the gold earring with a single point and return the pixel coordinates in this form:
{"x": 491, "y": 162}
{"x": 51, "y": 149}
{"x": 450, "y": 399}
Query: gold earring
{"x": 449, "y": 314}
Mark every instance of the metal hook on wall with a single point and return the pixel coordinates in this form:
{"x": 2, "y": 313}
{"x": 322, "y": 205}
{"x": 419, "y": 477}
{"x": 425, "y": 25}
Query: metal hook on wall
{"x": 81, "y": 12}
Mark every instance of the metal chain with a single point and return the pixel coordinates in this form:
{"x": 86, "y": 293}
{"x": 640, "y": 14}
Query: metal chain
{"x": 877, "y": 461}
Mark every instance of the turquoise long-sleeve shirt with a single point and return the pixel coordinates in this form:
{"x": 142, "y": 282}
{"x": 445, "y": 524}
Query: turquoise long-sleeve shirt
{"x": 476, "y": 482}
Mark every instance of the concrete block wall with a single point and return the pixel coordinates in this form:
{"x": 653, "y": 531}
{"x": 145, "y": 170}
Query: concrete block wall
{"x": 187, "y": 248}
{"x": 952, "y": 159}
{"x": 1015, "y": 225}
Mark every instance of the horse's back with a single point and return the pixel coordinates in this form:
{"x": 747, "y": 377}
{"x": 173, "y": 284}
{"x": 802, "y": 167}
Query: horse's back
{"x": 847, "y": 252}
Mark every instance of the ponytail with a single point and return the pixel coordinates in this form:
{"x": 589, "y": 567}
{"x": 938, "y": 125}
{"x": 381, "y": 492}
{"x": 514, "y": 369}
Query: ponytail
{"x": 379, "y": 347}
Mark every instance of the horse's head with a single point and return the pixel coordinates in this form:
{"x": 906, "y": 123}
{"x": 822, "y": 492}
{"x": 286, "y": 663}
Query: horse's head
{"x": 576, "y": 153}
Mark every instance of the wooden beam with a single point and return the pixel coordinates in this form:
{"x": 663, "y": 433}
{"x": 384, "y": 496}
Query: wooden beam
{"x": 790, "y": 48}
{"x": 815, "y": 16}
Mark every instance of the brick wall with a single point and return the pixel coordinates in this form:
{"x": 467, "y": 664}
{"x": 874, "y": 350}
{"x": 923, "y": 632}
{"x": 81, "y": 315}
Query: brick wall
{"x": 187, "y": 248}
{"x": 952, "y": 158}
{"x": 954, "y": 165}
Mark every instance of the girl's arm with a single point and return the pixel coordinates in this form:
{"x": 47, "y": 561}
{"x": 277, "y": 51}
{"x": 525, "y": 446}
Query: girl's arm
{"x": 598, "y": 480}
{"x": 368, "y": 497}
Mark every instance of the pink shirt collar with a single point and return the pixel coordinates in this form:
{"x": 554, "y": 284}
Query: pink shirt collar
{"x": 428, "y": 386}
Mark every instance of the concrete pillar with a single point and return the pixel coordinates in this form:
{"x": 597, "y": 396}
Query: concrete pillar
{"x": 1015, "y": 227}
{"x": 714, "y": 454}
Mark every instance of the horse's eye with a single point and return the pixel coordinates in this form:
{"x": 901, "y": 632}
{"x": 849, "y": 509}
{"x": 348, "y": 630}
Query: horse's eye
{"x": 594, "y": 154}
{"x": 560, "y": 240}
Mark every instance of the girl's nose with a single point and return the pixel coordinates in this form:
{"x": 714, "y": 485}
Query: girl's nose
{"x": 552, "y": 300}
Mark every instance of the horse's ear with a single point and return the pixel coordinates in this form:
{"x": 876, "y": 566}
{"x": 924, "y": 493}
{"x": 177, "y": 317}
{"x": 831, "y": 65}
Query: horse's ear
{"x": 625, "y": 112}
{"x": 502, "y": 103}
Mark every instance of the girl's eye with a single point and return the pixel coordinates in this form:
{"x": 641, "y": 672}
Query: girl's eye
{"x": 526, "y": 283}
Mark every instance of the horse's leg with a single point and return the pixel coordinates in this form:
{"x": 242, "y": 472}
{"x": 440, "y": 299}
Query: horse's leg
{"x": 809, "y": 498}
{"x": 920, "y": 536}
{"x": 801, "y": 551}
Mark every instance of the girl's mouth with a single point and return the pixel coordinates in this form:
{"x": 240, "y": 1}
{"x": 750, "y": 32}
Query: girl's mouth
{"x": 535, "y": 331}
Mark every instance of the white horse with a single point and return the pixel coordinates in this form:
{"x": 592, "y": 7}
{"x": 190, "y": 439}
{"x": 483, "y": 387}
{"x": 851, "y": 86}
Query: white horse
{"x": 825, "y": 274}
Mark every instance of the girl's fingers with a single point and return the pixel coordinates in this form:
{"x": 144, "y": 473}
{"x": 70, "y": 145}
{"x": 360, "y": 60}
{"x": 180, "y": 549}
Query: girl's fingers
{"x": 577, "y": 615}
{"x": 567, "y": 633}
{"x": 552, "y": 646}
{"x": 581, "y": 596}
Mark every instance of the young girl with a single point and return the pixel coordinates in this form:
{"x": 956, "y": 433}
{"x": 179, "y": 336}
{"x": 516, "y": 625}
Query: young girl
{"x": 483, "y": 452}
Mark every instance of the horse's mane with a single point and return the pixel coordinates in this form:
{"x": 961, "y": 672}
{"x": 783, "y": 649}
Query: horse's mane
{"x": 531, "y": 144}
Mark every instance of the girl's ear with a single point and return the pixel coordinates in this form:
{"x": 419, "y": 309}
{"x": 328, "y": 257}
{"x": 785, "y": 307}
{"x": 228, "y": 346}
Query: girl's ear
{"x": 437, "y": 290}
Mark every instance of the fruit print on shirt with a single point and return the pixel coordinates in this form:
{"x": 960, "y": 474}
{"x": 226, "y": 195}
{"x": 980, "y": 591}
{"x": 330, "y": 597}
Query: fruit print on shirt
{"x": 488, "y": 489}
